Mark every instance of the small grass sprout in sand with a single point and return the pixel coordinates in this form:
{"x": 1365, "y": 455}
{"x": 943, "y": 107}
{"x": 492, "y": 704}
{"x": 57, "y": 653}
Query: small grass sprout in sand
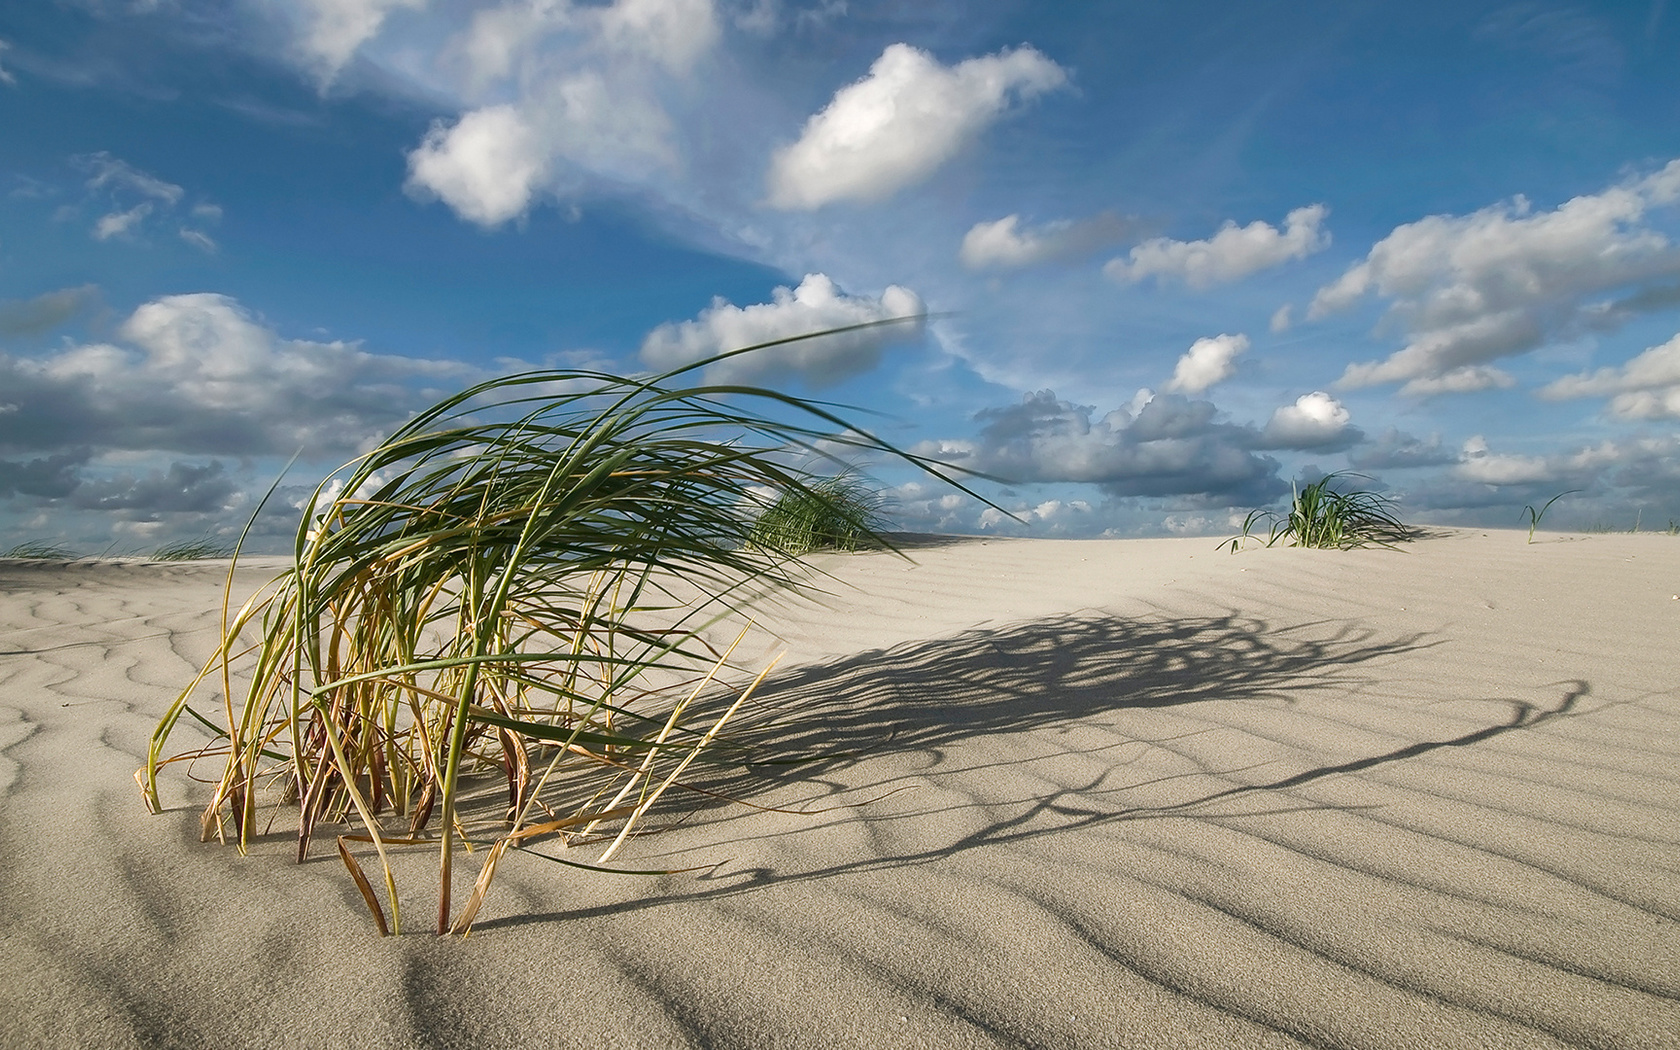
{"x": 492, "y": 630}
{"x": 1534, "y": 516}
{"x": 1321, "y": 515}
{"x": 837, "y": 513}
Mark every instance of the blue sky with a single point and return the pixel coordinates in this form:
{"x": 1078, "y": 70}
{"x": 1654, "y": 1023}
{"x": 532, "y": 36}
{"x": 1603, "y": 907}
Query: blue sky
{"x": 1174, "y": 256}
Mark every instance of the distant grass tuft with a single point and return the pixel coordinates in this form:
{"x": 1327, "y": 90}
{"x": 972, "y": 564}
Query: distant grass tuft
{"x": 192, "y": 550}
{"x": 1322, "y": 516}
{"x": 42, "y": 551}
{"x": 838, "y": 513}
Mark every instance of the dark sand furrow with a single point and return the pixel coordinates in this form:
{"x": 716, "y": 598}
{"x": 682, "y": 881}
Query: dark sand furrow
{"x": 1566, "y": 1008}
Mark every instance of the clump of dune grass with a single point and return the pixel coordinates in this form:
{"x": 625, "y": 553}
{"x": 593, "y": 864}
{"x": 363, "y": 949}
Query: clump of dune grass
{"x": 835, "y": 513}
{"x": 192, "y": 550}
{"x": 41, "y": 550}
{"x": 1324, "y": 516}
{"x": 511, "y": 590}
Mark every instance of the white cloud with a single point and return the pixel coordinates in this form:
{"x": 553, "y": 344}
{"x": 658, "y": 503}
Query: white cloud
{"x": 1469, "y": 289}
{"x": 1315, "y": 422}
{"x": 1282, "y": 319}
{"x": 486, "y": 166}
{"x": 1208, "y": 361}
{"x": 197, "y": 373}
{"x": 901, "y": 122}
{"x": 334, "y": 29}
{"x": 1646, "y": 387}
{"x": 119, "y": 223}
{"x": 5, "y": 77}
{"x": 815, "y": 306}
{"x": 570, "y": 93}
{"x": 1170, "y": 446}
{"x": 1231, "y": 254}
{"x": 1005, "y": 244}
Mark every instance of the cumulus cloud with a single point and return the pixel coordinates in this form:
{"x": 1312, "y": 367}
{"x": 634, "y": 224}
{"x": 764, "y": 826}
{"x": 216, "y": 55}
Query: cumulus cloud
{"x": 1636, "y": 476}
{"x": 901, "y": 122}
{"x": 1467, "y": 290}
{"x": 815, "y": 306}
{"x": 198, "y": 374}
{"x": 1480, "y": 464}
{"x": 1208, "y": 361}
{"x": 1316, "y": 422}
{"x": 486, "y": 166}
{"x": 1646, "y": 387}
{"x": 1006, "y": 244}
{"x": 46, "y": 311}
{"x": 1170, "y": 446}
{"x": 45, "y": 477}
{"x": 570, "y": 92}
{"x": 1231, "y": 254}
{"x": 1282, "y": 319}
{"x": 181, "y": 488}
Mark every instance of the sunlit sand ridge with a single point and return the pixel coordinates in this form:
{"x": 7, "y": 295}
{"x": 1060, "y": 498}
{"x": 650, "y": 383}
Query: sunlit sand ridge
{"x": 1067, "y": 794}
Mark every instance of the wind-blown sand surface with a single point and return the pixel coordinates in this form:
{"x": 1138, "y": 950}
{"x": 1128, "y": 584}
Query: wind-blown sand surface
{"x": 1129, "y": 793}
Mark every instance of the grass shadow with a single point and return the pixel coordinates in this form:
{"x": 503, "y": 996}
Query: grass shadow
{"x": 926, "y": 698}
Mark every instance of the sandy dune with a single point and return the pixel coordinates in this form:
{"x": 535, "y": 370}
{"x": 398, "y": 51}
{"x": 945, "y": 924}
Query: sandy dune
{"x": 1076, "y": 794}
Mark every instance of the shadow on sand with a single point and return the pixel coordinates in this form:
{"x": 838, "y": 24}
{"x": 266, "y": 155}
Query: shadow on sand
{"x": 925, "y": 698}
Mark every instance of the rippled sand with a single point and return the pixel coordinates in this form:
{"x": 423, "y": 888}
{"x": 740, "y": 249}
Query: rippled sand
{"x": 1072, "y": 794}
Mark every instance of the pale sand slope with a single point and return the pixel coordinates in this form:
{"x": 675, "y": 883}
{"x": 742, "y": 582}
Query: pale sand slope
{"x": 1158, "y": 796}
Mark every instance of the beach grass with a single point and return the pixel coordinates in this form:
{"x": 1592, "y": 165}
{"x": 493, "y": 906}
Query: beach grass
{"x": 1323, "y": 515}
{"x": 1534, "y": 516}
{"x": 835, "y": 513}
{"x": 192, "y": 550}
{"x": 512, "y": 589}
{"x": 41, "y": 550}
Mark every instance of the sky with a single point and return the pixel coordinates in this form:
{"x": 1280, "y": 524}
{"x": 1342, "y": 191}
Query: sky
{"x": 1160, "y": 260}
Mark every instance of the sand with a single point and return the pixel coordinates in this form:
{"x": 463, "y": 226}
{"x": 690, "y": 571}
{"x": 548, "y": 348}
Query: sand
{"x": 1078, "y": 794}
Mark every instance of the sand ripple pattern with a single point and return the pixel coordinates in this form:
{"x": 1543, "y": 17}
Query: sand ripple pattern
{"x": 1057, "y": 795}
